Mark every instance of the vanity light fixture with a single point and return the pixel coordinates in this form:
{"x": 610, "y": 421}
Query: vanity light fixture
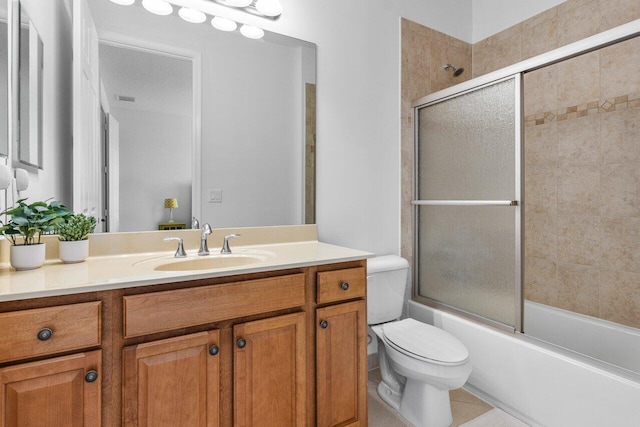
{"x": 251, "y": 32}
{"x": 158, "y": 7}
{"x": 192, "y": 15}
{"x": 124, "y": 2}
{"x": 223, "y": 24}
{"x": 271, "y": 8}
{"x": 236, "y": 3}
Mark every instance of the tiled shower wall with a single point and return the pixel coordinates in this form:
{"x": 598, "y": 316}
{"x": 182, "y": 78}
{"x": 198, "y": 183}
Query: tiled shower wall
{"x": 582, "y": 184}
{"x": 570, "y": 284}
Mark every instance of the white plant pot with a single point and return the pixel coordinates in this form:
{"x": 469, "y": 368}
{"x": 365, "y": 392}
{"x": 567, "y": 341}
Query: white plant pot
{"x": 27, "y": 257}
{"x": 71, "y": 252}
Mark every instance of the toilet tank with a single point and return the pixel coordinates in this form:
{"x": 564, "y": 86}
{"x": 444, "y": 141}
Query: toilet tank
{"x": 386, "y": 284}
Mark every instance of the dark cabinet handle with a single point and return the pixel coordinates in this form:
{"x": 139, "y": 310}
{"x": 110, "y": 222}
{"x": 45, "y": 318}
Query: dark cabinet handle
{"x": 324, "y": 324}
{"x": 344, "y": 286}
{"x": 241, "y": 343}
{"x": 213, "y": 350}
{"x": 91, "y": 376}
{"x": 44, "y": 334}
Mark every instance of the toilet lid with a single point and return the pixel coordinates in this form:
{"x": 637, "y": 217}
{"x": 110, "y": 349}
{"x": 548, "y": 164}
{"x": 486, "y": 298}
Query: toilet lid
{"x": 425, "y": 341}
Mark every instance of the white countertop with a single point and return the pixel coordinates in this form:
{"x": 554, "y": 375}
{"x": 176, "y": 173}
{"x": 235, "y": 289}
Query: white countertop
{"x": 99, "y": 273}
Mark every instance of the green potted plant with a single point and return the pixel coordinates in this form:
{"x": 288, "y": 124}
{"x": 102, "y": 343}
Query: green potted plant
{"x": 25, "y": 227}
{"x": 73, "y": 235}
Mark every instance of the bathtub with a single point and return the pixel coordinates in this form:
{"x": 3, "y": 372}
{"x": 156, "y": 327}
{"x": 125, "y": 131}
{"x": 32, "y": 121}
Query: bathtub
{"x": 539, "y": 383}
{"x": 607, "y": 341}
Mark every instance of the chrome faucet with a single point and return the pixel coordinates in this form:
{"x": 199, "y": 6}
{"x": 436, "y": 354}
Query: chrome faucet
{"x": 204, "y": 249}
{"x": 180, "y": 253}
{"x": 195, "y": 224}
{"x": 225, "y": 247}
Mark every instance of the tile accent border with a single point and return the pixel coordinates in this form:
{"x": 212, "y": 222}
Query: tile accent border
{"x": 588, "y": 109}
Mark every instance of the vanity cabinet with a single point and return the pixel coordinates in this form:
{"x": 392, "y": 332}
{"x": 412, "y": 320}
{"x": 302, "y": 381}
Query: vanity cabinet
{"x": 341, "y": 352}
{"x": 274, "y": 348}
{"x": 173, "y": 382}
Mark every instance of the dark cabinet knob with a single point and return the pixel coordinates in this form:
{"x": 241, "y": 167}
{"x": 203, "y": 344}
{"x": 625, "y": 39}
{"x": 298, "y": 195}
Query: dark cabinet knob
{"x": 44, "y": 334}
{"x": 344, "y": 286}
{"x": 241, "y": 343}
{"x": 213, "y": 350}
{"x": 91, "y": 376}
{"x": 324, "y": 324}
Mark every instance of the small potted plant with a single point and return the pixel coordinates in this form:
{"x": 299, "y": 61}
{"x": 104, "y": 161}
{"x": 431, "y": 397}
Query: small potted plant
{"x": 73, "y": 234}
{"x": 26, "y": 225}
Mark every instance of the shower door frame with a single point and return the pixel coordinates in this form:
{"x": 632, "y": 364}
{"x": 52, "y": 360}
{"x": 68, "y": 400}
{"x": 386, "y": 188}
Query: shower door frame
{"x": 515, "y": 204}
{"x": 615, "y": 35}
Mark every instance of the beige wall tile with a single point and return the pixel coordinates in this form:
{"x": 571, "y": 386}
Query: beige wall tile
{"x": 620, "y": 190}
{"x": 620, "y": 68}
{"x": 621, "y": 244}
{"x": 620, "y": 297}
{"x": 620, "y": 136}
{"x": 541, "y": 90}
{"x": 541, "y": 280}
{"x": 579, "y": 22}
{"x": 618, "y": 12}
{"x": 579, "y": 239}
{"x": 540, "y": 236}
{"x": 579, "y": 289}
{"x": 541, "y": 37}
{"x": 540, "y": 145}
{"x": 579, "y": 142}
{"x": 579, "y": 80}
{"x": 541, "y": 188}
{"x": 448, "y": 53}
{"x": 481, "y": 59}
{"x": 579, "y": 190}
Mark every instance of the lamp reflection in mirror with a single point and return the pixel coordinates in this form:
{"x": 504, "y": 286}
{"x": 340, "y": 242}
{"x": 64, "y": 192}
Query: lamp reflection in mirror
{"x": 170, "y": 204}
{"x": 124, "y": 2}
{"x": 223, "y": 24}
{"x": 251, "y": 32}
{"x": 192, "y": 15}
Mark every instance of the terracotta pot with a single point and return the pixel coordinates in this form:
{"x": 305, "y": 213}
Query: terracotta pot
{"x": 72, "y": 252}
{"x": 27, "y": 257}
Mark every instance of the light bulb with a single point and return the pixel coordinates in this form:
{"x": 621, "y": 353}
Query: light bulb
{"x": 269, "y": 7}
{"x": 192, "y": 15}
{"x": 124, "y": 2}
{"x": 251, "y": 32}
{"x": 223, "y": 24}
{"x": 158, "y": 7}
{"x": 238, "y": 3}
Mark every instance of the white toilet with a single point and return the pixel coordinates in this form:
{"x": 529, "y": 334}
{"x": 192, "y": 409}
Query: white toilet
{"x": 419, "y": 363}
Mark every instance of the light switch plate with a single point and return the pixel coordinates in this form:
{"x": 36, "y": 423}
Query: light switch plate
{"x": 215, "y": 196}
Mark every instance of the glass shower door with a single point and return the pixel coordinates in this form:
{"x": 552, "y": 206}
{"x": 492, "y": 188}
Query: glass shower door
{"x": 467, "y": 210}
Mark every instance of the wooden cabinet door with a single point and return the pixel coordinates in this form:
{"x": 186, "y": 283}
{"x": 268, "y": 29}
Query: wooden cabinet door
{"x": 341, "y": 357}
{"x": 173, "y": 382}
{"x": 269, "y": 372}
{"x": 64, "y": 391}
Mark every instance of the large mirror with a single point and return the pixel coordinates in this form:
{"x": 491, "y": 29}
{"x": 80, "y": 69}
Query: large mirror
{"x": 167, "y": 112}
{"x": 4, "y": 80}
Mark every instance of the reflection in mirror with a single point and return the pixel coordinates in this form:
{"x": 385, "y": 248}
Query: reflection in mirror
{"x": 4, "y": 80}
{"x": 223, "y": 124}
{"x": 30, "y": 88}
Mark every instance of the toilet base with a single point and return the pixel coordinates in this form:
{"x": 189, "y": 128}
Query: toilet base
{"x": 425, "y": 405}
{"x": 391, "y": 397}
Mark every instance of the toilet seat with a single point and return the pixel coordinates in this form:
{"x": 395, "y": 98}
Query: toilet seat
{"x": 424, "y": 342}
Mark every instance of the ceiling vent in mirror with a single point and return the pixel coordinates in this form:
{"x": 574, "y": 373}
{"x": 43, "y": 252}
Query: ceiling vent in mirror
{"x": 125, "y": 98}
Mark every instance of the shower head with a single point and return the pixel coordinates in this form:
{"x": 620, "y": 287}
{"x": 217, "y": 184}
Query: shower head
{"x": 456, "y": 71}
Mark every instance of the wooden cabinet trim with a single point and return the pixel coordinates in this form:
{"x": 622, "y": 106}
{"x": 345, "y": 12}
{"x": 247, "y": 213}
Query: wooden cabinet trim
{"x": 74, "y": 327}
{"x": 168, "y": 310}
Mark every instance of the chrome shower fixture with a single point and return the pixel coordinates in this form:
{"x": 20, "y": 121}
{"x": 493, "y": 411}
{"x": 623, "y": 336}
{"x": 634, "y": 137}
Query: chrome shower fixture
{"x": 456, "y": 71}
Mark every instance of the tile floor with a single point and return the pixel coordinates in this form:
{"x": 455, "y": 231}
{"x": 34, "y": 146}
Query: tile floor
{"x": 464, "y": 406}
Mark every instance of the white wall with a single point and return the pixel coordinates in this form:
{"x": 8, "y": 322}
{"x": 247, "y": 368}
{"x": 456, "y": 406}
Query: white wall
{"x": 155, "y": 154}
{"x": 53, "y": 21}
{"x": 492, "y": 16}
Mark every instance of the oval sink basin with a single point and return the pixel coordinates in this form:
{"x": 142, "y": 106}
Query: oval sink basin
{"x": 208, "y": 262}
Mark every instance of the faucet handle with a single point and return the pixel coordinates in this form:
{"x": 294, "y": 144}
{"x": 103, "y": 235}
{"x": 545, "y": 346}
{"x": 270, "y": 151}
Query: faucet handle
{"x": 195, "y": 224}
{"x": 225, "y": 247}
{"x": 180, "y": 253}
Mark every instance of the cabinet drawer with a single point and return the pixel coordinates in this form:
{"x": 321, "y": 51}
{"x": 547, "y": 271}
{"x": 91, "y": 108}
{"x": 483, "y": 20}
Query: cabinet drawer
{"x": 72, "y": 327}
{"x": 168, "y": 310}
{"x": 341, "y": 285}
